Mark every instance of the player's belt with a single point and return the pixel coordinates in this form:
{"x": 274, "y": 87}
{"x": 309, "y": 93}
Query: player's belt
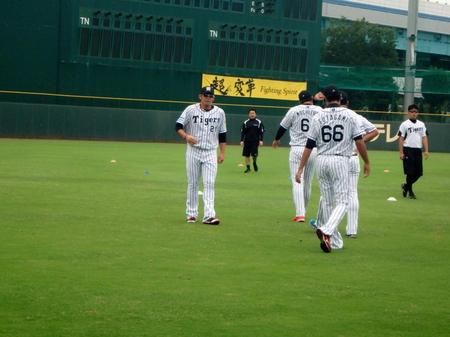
{"x": 354, "y": 154}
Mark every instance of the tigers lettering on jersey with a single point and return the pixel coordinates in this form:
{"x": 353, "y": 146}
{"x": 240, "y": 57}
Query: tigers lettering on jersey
{"x": 205, "y": 120}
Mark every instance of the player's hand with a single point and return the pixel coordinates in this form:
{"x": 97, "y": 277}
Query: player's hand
{"x": 366, "y": 170}
{"x": 191, "y": 139}
{"x": 298, "y": 177}
{"x": 242, "y": 143}
{"x": 261, "y": 143}
{"x": 220, "y": 158}
{"x": 275, "y": 144}
{"x": 402, "y": 156}
{"x": 319, "y": 96}
{"x": 426, "y": 155}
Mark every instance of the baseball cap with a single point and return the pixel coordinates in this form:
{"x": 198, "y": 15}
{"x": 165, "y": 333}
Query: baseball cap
{"x": 413, "y": 107}
{"x": 331, "y": 93}
{"x": 304, "y": 96}
{"x": 207, "y": 91}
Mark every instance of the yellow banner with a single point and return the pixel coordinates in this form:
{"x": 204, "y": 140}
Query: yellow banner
{"x": 250, "y": 87}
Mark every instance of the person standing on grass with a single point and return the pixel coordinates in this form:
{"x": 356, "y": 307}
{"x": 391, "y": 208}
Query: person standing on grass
{"x": 334, "y": 132}
{"x": 298, "y": 120}
{"x": 412, "y": 137}
{"x": 203, "y": 127}
{"x": 252, "y": 133}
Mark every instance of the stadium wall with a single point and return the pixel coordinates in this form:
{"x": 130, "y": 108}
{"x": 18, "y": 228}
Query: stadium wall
{"x": 31, "y": 120}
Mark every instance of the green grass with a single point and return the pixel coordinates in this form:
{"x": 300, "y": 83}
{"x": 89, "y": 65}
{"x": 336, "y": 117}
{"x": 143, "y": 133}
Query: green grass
{"x": 90, "y": 248}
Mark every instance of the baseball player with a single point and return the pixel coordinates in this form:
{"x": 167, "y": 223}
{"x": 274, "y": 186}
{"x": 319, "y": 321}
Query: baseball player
{"x": 298, "y": 120}
{"x": 354, "y": 170}
{"x": 252, "y": 132}
{"x": 203, "y": 127}
{"x": 333, "y": 131}
{"x": 412, "y": 137}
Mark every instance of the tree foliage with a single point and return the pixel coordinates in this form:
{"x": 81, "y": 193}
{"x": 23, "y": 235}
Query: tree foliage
{"x": 358, "y": 43}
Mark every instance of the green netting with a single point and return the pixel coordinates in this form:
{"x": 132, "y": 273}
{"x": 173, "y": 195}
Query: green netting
{"x": 432, "y": 81}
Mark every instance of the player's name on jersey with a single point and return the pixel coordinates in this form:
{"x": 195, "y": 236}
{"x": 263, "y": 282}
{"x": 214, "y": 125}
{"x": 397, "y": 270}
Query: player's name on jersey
{"x": 334, "y": 117}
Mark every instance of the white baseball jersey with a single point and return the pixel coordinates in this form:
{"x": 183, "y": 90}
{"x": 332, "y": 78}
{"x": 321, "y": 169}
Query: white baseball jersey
{"x": 412, "y": 133}
{"x": 298, "y": 120}
{"x": 205, "y": 126}
{"x": 201, "y": 158}
{"x": 334, "y": 129}
{"x": 365, "y": 125}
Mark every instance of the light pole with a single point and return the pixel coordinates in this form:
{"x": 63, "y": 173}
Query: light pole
{"x": 410, "y": 64}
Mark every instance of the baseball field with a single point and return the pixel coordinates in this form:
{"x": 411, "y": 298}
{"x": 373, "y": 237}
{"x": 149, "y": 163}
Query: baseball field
{"x": 89, "y": 247}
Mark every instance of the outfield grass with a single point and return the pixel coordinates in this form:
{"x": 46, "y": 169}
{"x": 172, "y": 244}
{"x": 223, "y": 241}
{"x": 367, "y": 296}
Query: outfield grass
{"x": 90, "y": 248}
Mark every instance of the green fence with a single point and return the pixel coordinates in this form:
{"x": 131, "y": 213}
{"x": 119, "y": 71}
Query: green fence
{"x": 79, "y": 122}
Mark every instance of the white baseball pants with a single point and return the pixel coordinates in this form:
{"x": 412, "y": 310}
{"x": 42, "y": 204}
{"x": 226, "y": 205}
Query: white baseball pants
{"x": 301, "y": 193}
{"x": 200, "y": 163}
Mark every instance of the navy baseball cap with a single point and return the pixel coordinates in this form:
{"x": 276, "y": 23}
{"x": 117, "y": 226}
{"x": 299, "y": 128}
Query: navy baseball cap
{"x": 207, "y": 91}
{"x": 304, "y": 96}
{"x": 413, "y": 107}
{"x": 332, "y": 93}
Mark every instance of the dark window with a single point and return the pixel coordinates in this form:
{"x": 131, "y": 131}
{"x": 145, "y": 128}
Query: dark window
{"x": 149, "y": 46}
{"x": 223, "y": 53}
{"x": 148, "y": 26}
{"x": 96, "y": 41}
{"x": 206, "y": 3}
{"x": 117, "y": 24}
{"x": 242, "y": 55}
{"x": 106, "y": 43}
{"x": 250, "y": 56}
{"x": 213, "y": 52}
{"x": 168, "y": 48}
{"x": 269, "y": 58}
{"x": 85, "y": 36}
{"x": 159, "y": 45}
{"x": 225, "y": 5}
{"x": 188, "y": 50}
{"x": 179, "y": 48}
{"x": 106, "y": 22}
{"x": 127, "y": 24}
{"x": 237, "y": 6}
{"x": 233, "y": 54}
{"x": 127, "y": 43}
{"x": 117, "y": 44}
{"x": 137, "y": 45}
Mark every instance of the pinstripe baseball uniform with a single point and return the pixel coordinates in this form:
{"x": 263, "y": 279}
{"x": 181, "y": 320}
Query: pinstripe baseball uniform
{"x": 298, "y": 120}
{"x": 333, "y": 131}
{"x": 354, "y": 170}
{"x": 201, "y": 158}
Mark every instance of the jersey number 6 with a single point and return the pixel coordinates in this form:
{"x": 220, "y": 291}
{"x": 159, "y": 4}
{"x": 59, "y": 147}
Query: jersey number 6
{"x": 334, "y": 133}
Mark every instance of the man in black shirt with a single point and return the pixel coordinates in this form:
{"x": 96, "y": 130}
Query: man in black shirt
{"x": 252, "y": 132}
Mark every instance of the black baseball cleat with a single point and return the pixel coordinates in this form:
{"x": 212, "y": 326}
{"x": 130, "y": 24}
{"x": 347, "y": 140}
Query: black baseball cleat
{"x": 325, "y": 242}
{"x": 211, "y": 221}
{"x": 351, "y": 236}
{"x": 412, "y": 195}
{"x": 247, "y": 170}
{"x": 404, "y": 190}
{"x": 255, "y": 167}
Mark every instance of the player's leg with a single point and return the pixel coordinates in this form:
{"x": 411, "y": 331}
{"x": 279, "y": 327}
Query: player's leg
{"x": 307, "y": 178}
{"x": 338, "y": 171}
{"x": 255, "y": 156}
{"x": 209, "y": 173}
{"x": 326, "y": 191}
{"x": 297, "y": 189}
{"x": 246, "y": 155}
{"x": 193, "y": 178}
{"x": 336, "y": 240}
{"x": 353, "y": 202}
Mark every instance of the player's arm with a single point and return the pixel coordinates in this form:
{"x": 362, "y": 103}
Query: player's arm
{"x": 280, "y": 133}
{"x": 222, "y": 146}
{"x": 425, "y": 146}
{"x": 261, "y": 134}
{"x": 370, "y": 135}
{"x": 243, "y": 129}
{"x": 310, "y": 145}
{"x": 401, "y": 140}
{"x": 183, "y": 134}
{"x": 362, "y": 150}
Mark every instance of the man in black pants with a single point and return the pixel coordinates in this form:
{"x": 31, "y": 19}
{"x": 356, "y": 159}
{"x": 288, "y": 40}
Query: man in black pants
{"x": 412, "y": 137}
{"x": 252, "y": 132}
